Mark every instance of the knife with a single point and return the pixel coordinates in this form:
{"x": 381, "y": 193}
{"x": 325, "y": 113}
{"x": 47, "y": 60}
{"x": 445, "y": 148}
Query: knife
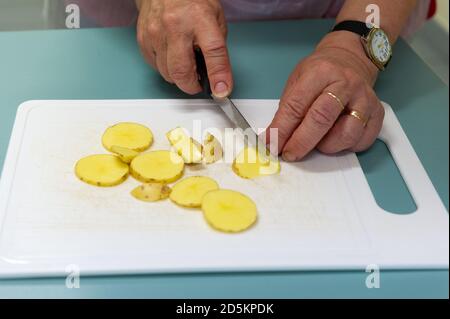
{"x": 230, "y": 109}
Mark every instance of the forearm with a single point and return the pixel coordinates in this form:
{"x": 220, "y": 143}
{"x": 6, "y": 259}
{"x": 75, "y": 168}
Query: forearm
{"x": 393, "y": 17}
{"x": 393, "y": 13}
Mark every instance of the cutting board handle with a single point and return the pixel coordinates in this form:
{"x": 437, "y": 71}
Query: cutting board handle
{"x": 409, "y": 165}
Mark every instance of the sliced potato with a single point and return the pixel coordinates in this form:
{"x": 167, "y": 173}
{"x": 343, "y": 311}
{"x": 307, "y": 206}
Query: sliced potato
{"x": 228, "y": 210}
{"x": 188, "y": 148}
{"x": 102, "y": 170}
{"x": 133, "y": 136}
{"x": 250, "y": 164}
{"x": 189, "y": 192}
{"x": 157, "y": 166}
{"x": 151, "y": 192}
{"x": 212, "y": 149}
{"x": 125, "y": 154}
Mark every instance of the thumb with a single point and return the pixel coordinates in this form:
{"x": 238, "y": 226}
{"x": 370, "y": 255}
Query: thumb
{"x": 213, "y": 45}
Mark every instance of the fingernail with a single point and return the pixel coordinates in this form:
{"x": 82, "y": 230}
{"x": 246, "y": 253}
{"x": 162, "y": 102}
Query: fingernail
{"x": 289, "y": 157}
{"x": 221, "y": 89}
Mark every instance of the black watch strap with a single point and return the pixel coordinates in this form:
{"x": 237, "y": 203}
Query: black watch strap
{"x": 357, "y": 27}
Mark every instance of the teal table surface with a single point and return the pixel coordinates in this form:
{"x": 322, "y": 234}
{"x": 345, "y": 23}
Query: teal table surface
{"x": 106, "y": 64}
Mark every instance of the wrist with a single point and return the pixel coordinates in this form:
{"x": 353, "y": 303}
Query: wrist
{"x": 351, "y": 43}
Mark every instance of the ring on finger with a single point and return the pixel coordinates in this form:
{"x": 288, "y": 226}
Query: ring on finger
{"x": 359, "y": 116}
{"x": 338, "y": 100}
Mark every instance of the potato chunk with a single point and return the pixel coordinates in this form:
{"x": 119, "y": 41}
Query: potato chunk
{"x": 133, "y": 136}
{"x": 228, "y": 210}
{"x": 212, "y": 149}
{"x": 101, "y": 170}
{"x": 250, "y": 164}
{"x": 188, "y": 148}
{"x": 189, "y": 192}
{"x": 151, "y": 192}
{"x": 157, "y": 166}
{"x": 125, "y": 154}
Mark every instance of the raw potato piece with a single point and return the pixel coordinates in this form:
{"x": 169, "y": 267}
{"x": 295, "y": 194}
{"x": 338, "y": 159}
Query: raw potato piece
{"x": 125, "y": 154}
{"x": 189, "y": 192}
{"x": 157, "y": 166}
{"x": 249, "y": 164}
{"x": 102, "y": 170}
{"x": 212, "y": 149}
{"x": 151, "y": 192}
{"x": 229, "y": 211}
{"x": 133, "y": 136}
{"x": 188, "y": 148}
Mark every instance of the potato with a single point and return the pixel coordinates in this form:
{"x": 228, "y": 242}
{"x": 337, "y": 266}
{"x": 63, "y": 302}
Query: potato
{"x": 212, "y": 149}
{"x": 189, "y": 192}
{"x": 151, "y": 192}
{"x": 125, "y": 154}
{"x": 188, "y": 148}
{"x": 128, "y": 135}
{"x": 228, "y": 210}
{"x": 157, "y": 166}
{"x": 102, "y": 170}
{"x": 250, "y": 164}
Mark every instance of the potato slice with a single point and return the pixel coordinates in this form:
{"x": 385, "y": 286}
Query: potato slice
{"x": 125, "y": 154}
{"x": 157, "y": 166}
{"x": 228, "y": 210}
{"x": 133, "y": 136}
{"x": 189, "y": 192}
{"x": 102, "y": 170}
{"x": 151, "y": 192}
{"x": 250, "y": 164}
{"x": 212, "y": 149}
{"x": 188, "y": 148}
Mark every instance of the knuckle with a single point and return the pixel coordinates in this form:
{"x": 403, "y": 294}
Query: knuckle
{"x": 153, "y": 29}
{"x": 214, "y": 49}
{"x": 170, "y": 19}
{"x": 294, "y": 107}
{"x": 180, "y": 73}
{"x": 322, "y": 117}
{"x": 326, "y": 67}
{"x": 218, "y": 68}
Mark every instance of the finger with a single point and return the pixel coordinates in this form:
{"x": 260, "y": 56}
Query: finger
{"x": 348, "y": 130}
{"x": 145, "y": 45}
{"x": 161, "y": 59}
{"x": 212, "y": 42}
{"x": 181, "y": 65}
{"x": 372, "y": 130}
{"x": 318, "y": 120}
{"x": 298, "y": 95}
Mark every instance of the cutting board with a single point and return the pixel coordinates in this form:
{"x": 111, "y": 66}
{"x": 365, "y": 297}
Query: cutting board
{"x": 315, "y": 215}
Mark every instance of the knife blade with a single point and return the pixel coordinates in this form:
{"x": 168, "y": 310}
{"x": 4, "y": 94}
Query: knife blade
{"x": 230, "y": 110}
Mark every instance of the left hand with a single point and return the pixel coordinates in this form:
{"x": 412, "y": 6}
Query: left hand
{"x": 308, "y": 117}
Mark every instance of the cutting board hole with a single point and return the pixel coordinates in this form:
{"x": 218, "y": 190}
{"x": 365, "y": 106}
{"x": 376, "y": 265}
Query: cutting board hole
{"x": 388, "y": 187}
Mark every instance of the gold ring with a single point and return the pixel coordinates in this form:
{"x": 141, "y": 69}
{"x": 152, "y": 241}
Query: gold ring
{"x": 337, "y": 99}
{"x": 358, "y": 116}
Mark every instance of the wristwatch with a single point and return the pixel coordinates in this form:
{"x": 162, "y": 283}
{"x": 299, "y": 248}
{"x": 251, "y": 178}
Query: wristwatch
{"x": 375, "y": 41}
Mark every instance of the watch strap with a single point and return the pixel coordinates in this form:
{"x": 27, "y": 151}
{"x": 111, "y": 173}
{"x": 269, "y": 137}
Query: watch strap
{"x": 357, "y": 27}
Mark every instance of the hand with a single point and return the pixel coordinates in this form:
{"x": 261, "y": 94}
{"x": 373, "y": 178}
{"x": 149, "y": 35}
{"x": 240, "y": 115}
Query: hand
{"x": 308, "y": 117}
{"x": 168, "y": 31}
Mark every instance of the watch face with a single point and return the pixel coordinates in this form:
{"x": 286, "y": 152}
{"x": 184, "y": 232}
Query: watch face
{"x": 381, "y": 48}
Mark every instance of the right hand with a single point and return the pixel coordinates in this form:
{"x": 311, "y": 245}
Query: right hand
{"x": 169, "y": 30}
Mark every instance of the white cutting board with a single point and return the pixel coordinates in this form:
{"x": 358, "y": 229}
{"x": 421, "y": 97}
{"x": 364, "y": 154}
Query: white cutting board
{"x": 317, "y": 214}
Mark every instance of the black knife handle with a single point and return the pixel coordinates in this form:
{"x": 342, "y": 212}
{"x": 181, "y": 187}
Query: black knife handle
{"x": 202, "y": 72}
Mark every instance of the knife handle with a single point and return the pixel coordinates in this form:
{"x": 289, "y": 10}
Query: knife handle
{"x": 202, "y": 72}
